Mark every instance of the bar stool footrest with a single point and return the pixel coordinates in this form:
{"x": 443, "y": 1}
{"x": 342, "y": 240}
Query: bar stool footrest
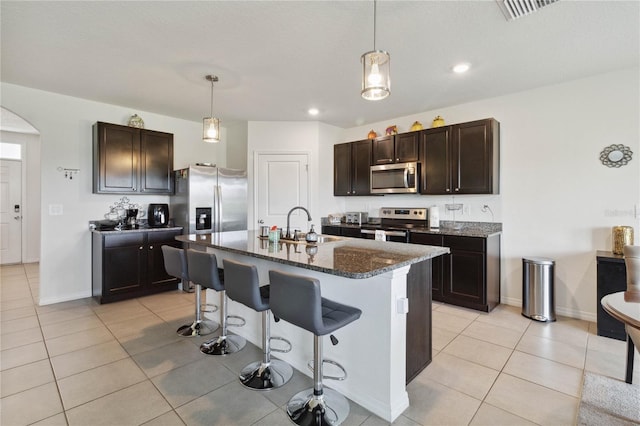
{"x": 241, "y": 321}
{"x": 204, "y": 308}
{"x": 282, "y": 339}
{"x": 329, "y": 361}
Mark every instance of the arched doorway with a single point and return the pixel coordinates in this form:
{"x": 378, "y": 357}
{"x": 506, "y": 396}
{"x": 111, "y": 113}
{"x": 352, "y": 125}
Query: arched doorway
{"x": 15, "y": 131}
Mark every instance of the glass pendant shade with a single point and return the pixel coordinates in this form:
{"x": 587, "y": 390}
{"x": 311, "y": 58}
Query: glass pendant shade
{"x": 376, "y": 76}
{"x": 211, "y": 130}
{"x": 211, "y": 125}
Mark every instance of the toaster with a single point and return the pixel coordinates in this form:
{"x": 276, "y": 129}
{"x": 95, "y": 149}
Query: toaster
{"x": 356, "y": 218}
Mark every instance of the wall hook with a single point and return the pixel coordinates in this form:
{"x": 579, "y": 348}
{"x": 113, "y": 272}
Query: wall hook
{"x": 68, "y": 173}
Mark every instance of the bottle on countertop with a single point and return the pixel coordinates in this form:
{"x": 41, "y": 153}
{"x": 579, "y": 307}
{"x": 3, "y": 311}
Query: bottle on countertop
{"x": 434, "y": 217}
{"x": 311, "y": 236}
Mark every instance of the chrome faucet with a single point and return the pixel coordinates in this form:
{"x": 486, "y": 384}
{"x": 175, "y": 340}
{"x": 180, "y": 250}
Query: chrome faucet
{"x": 288, "y": 235}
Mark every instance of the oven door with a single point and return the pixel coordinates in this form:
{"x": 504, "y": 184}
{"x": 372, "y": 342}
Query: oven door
{"x": 393, "y": 235}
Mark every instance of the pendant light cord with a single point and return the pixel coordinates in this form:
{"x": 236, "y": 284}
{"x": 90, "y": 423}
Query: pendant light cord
{"x": 212, "y": 98}
{"x": 374, "y": 24}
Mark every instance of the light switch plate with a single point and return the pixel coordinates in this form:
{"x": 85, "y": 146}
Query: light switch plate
{"x": 55, "y": 209}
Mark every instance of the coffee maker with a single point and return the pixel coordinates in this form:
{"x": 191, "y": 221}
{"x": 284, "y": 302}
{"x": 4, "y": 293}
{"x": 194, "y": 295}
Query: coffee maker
{"x": 158, "y": 215}
{"x": 132, "y": 218}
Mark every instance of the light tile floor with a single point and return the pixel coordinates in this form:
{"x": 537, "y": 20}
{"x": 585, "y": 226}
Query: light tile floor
{"x": 81, "y": 363}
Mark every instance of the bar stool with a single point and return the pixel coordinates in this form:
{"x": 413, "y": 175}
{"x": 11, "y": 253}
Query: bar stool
{"x": 297, "y": 299}
{"x": 242, "y": 284}
{"x": 175, "y": 263}
{"x": 203, "y": 269}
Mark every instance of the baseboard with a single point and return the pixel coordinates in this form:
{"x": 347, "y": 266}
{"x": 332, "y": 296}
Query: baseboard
{"x": 560, "y": 310}
{"x": 66, "y": 298}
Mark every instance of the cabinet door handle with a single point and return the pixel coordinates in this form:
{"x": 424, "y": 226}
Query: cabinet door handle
{"x": 140, "y": 248}
{"x": 150, "y": 247}
{"x": 397, "y": 159}
{"x": 457, "y": 189}
{"x": 448, "y": 190}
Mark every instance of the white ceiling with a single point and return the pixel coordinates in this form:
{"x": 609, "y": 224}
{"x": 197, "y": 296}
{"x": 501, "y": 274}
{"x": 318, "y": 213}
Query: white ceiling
{"x": 275, "y": 59}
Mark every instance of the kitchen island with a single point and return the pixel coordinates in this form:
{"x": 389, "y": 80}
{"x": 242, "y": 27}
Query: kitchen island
{"x": 370, "y": 275}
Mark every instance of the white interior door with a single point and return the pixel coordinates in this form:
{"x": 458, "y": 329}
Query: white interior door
{"x": 10, "y": 212}
{"x": 281, "y": 183}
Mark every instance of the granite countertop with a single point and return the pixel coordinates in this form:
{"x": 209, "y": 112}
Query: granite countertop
{"x": 343, "y": 256}
{"x": 145, "y": 228}
{"x": 464, "y": 229}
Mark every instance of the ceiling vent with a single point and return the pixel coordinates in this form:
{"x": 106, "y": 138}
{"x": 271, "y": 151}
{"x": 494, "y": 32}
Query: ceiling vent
{"x": 514, "y": 9}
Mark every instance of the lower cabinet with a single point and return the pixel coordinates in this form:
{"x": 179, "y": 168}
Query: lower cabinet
{"x": 342, "y": 231}
{"x": 131, "y": 264}
{"x": 418, "y": 318}
{"x": 331, "y": 230}
{"x": 470, "y": 275}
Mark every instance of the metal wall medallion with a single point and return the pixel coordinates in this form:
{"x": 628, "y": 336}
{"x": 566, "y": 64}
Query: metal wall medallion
{"x": 616, "y": 155}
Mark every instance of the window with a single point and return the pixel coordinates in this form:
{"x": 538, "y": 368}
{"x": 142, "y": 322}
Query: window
{"x": 10, "y": 151}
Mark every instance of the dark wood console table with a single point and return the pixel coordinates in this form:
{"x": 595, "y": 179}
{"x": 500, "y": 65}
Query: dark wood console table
{"x": 612, "y": 277}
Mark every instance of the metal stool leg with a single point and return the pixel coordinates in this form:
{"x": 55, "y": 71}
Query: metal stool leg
{"x": 318, "y": 406}
{"x": 266, "y": 374}
{"x": 199, "y": 327}
{"x": 223, "y": 344}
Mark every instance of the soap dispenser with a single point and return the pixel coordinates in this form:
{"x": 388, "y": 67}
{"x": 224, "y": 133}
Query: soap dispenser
{"x": 311, "y": 236}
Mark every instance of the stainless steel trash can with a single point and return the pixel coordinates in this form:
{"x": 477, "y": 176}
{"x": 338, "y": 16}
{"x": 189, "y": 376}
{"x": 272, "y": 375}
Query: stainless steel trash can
{"x": 538, "y": 300}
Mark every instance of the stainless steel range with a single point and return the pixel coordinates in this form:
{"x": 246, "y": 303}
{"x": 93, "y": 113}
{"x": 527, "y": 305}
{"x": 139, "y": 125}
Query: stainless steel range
{"x": 395, "y": 224}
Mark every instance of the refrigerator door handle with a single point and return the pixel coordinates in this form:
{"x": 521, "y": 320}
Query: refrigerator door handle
{"x": 219, "y": 201}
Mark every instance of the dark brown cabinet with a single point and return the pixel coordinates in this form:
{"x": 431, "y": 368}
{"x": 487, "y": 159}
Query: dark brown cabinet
{"x": 470, "y": 275}
{"x": 612, "y": 278}
{"x": 436, "y": 262}
{"x": 401, "y": 148}
{"x": 342, "y": 231}
{"x": 131, "y": 264}
{"x": 461, "y": 158}
{"x": 419, "y": 340}
{"x": 128, "y": 160}
{"x": 351, "y": 163}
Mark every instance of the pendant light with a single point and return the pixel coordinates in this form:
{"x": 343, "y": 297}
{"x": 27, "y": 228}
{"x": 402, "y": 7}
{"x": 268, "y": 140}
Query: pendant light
{"x": 376, "y": 79}
{"x": 211, "y": 125}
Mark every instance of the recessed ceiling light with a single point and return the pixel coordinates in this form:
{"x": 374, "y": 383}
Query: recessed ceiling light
{"x": 313, "y": 111}
{"x": 461, "y": 68}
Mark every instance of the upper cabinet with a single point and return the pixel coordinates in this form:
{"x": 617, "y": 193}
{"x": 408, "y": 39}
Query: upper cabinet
{"x": 351, "y": 163}
{"x": 129, "y": 160}
{"x": 400, "y": 148}
{"x": 461, "y": 158}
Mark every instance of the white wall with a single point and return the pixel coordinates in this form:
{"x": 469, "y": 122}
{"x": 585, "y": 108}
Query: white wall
{"x": 313, "y": 138}
{"x": 65, "y": 124}
{"x": 556, "y": 199}
{"x": 237, "y": 135}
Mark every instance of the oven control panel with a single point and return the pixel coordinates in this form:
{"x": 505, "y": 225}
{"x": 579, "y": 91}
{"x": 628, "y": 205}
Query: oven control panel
{"x": 412, "y": 213}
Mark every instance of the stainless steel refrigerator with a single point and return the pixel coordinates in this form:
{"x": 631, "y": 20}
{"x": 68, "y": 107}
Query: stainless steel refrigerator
{"x": 210, "y": 199}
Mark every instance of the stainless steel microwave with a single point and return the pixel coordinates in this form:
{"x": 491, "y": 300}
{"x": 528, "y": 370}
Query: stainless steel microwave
{"x": 400, "y": 178}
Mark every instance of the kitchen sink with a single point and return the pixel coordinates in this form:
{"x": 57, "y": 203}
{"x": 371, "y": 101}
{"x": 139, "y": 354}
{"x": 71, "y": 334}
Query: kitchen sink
{"x": 321, "y": 239}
